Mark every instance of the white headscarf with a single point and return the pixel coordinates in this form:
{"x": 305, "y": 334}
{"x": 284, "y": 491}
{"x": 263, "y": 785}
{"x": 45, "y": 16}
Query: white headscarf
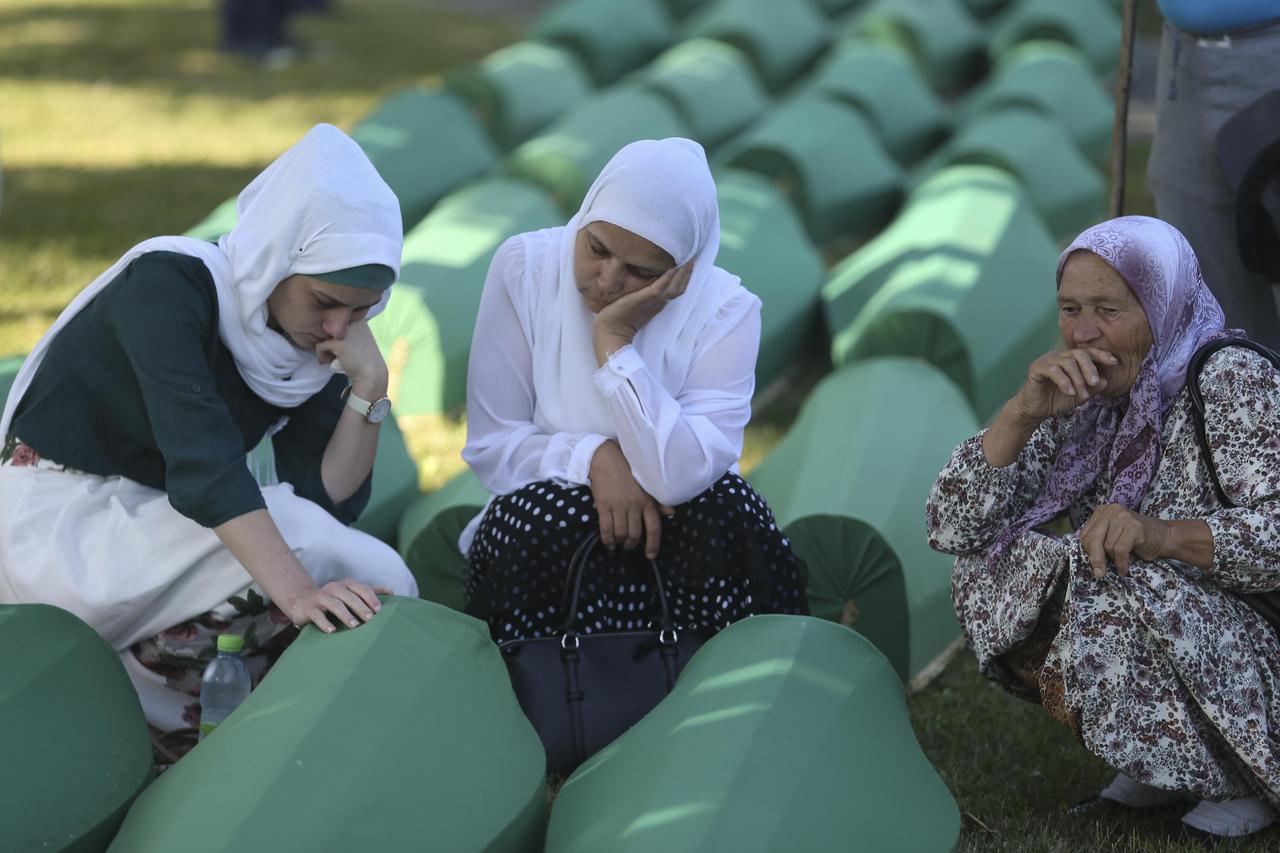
{"x": 661, "y": 190}
{"x": 319, "y": 208}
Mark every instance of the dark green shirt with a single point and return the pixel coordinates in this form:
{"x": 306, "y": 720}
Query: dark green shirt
{"x": 140, "y": 385}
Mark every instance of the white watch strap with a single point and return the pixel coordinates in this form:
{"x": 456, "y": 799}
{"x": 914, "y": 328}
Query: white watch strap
{"x": 358, "y": 404}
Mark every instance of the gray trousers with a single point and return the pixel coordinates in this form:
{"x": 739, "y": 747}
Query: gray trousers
{"x": 1203, "y": 81}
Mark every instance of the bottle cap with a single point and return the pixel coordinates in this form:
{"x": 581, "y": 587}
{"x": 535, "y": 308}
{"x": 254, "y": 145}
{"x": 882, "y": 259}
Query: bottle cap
{"x": 230, "y": 643}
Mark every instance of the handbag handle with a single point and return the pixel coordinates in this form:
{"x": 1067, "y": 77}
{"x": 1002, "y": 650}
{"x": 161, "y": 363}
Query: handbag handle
{"x": 573, "y": 586}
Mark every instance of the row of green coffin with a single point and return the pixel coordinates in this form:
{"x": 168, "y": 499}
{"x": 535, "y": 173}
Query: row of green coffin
{"x": 946, "y": 38}
{"x": 962, "y": 278}
{"x": 783, "y": 733}
{"x": 715, "y": 90}
{"x": 613, "y": 37}
{"x": 826, "y": 145}
{"x": 847, "y": 485}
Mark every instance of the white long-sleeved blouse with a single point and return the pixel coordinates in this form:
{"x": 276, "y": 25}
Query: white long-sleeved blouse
{"x": 679, "y": 441}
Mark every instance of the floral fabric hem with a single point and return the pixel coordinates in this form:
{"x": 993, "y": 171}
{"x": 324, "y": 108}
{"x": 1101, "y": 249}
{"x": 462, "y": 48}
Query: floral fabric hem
{"x": 181, "y": 653}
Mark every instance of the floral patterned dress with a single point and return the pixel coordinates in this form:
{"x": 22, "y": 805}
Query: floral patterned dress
{"x": 1168, "y": 674}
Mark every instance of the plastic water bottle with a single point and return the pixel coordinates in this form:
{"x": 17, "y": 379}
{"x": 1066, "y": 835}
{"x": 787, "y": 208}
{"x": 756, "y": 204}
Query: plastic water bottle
{"x": 225, "y": 684}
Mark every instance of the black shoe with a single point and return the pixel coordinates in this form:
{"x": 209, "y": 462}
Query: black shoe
{"x": 1093, "y": 808}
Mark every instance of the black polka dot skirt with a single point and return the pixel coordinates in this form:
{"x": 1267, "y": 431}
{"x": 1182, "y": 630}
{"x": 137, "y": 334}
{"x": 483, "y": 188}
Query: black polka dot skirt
{"x": 722, "y": 558}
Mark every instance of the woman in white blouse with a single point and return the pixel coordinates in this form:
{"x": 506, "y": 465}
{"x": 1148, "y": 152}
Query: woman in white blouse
{"x": 610, "y": 382}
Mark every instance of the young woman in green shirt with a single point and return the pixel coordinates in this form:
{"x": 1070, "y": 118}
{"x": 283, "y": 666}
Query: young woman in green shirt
{"x": 125, "y": 496}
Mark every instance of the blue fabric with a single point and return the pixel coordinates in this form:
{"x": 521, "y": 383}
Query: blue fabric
{"x": 1218, "y": 16}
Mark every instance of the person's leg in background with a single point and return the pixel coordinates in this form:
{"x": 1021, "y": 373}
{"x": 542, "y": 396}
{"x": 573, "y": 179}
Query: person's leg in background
{"x": 1201, "y": 83}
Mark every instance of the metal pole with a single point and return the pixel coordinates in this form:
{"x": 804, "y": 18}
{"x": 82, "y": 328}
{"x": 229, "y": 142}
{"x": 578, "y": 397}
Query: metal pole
{"x": 1120, "y": 130}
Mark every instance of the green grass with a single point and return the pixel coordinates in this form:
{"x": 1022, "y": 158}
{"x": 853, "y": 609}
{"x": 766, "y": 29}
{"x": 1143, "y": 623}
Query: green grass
{"x": 119, "y": 121}
{"x": 1014, "y": 771}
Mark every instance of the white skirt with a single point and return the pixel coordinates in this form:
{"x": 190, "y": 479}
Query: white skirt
{"x": 119, "y": 556}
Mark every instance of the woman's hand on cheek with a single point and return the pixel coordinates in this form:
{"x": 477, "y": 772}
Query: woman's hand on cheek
{"x": 1116, "y": 534}
{"x": 618, "y": 322}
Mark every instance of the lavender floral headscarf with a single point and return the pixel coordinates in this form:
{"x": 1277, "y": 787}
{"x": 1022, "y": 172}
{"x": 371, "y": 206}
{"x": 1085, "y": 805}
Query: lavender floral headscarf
{"x": 1123, "y": 434}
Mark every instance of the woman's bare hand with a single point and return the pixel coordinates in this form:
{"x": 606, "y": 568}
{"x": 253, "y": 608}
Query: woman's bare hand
{"x": 1117, "y": 534}
{"x": 350, "y": 601}
{"x": 360, "y": 358}
{"x": 620, "y": 321}
{"x": 627, "y": 512}
{"x": 1062, "y": 380}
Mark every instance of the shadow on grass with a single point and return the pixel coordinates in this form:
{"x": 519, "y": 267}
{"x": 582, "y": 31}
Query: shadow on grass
{"x": 171, "y": 47}
{"x": 1014, "y": 772}
{"x": 91, "y": 212}
{"x": 60, "y": 227}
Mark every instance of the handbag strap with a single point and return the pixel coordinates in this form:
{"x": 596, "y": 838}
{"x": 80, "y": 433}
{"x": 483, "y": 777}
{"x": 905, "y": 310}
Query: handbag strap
{"x": 573, "y": 586}
{"x": 1197, "y": 398}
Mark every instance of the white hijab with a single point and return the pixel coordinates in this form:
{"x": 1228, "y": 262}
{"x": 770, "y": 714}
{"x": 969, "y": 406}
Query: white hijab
{"x": 661, "y": 190}
{"x": 319, "y": 208}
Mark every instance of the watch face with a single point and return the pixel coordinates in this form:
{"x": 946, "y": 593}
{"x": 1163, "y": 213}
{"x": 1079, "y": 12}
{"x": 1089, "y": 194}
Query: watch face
{"x": 379, "y": 410}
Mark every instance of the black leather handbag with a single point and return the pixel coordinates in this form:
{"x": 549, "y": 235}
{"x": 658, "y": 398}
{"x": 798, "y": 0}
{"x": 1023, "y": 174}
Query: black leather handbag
{"x": 581, "y": 691}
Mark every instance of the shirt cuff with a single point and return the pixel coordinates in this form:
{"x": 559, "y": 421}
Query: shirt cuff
{"x": 579, "y": 470}
{"x": 1223, "y": 538}
{"x": 617, "y": 369}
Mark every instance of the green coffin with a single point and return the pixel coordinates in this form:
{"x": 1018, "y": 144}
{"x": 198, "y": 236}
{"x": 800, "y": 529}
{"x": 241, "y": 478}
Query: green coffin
{"x": 1054, "y": 79}
{"x": 8, "y": 372}
{"x": 832, "y": 8}
{"x": 711, "y": 84}
{"x": 781, "y": 38}
{"x": 762, "y": 240}
{"x": 1066, "y": 190}
{"x": 395, "y": 485}
{"x": 848, "y": 485}
{"x": 1090, "y": 26}
{"x": 826, "y": 157}
{"x": 521, "y": 89}
{"x": 784, "y": 733}
{"x": 425, "y": 332}
{"x": 610, "y": 37}
{"x": 962, "y": 279}
{"x": 400, "y": 735}
{"x": 567, "y": 157}
{"x": 424, "y": 143}
{"x": 220, "y": 222}
{"x": 946, "y": 42}
{"x": 683, "y": 8}
{"x": 985, "y": 9}
{"x": 881, "y": 80}
{"x": 72, "y": 735}
{"x": 429, "y": 538}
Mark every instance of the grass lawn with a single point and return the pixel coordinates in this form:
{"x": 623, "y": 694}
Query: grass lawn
{"x": 119, "y": 121}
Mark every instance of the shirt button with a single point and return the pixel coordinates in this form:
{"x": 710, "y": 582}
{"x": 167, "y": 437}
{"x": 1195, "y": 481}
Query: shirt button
{"x": 196, "y": 388}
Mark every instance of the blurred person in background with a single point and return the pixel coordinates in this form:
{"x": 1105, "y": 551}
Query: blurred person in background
{"x": 258, "y": 29}
{"x": 1217, "y": 57}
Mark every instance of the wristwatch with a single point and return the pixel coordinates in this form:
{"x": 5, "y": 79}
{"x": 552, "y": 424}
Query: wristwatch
{"x": 372, "y": 412}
